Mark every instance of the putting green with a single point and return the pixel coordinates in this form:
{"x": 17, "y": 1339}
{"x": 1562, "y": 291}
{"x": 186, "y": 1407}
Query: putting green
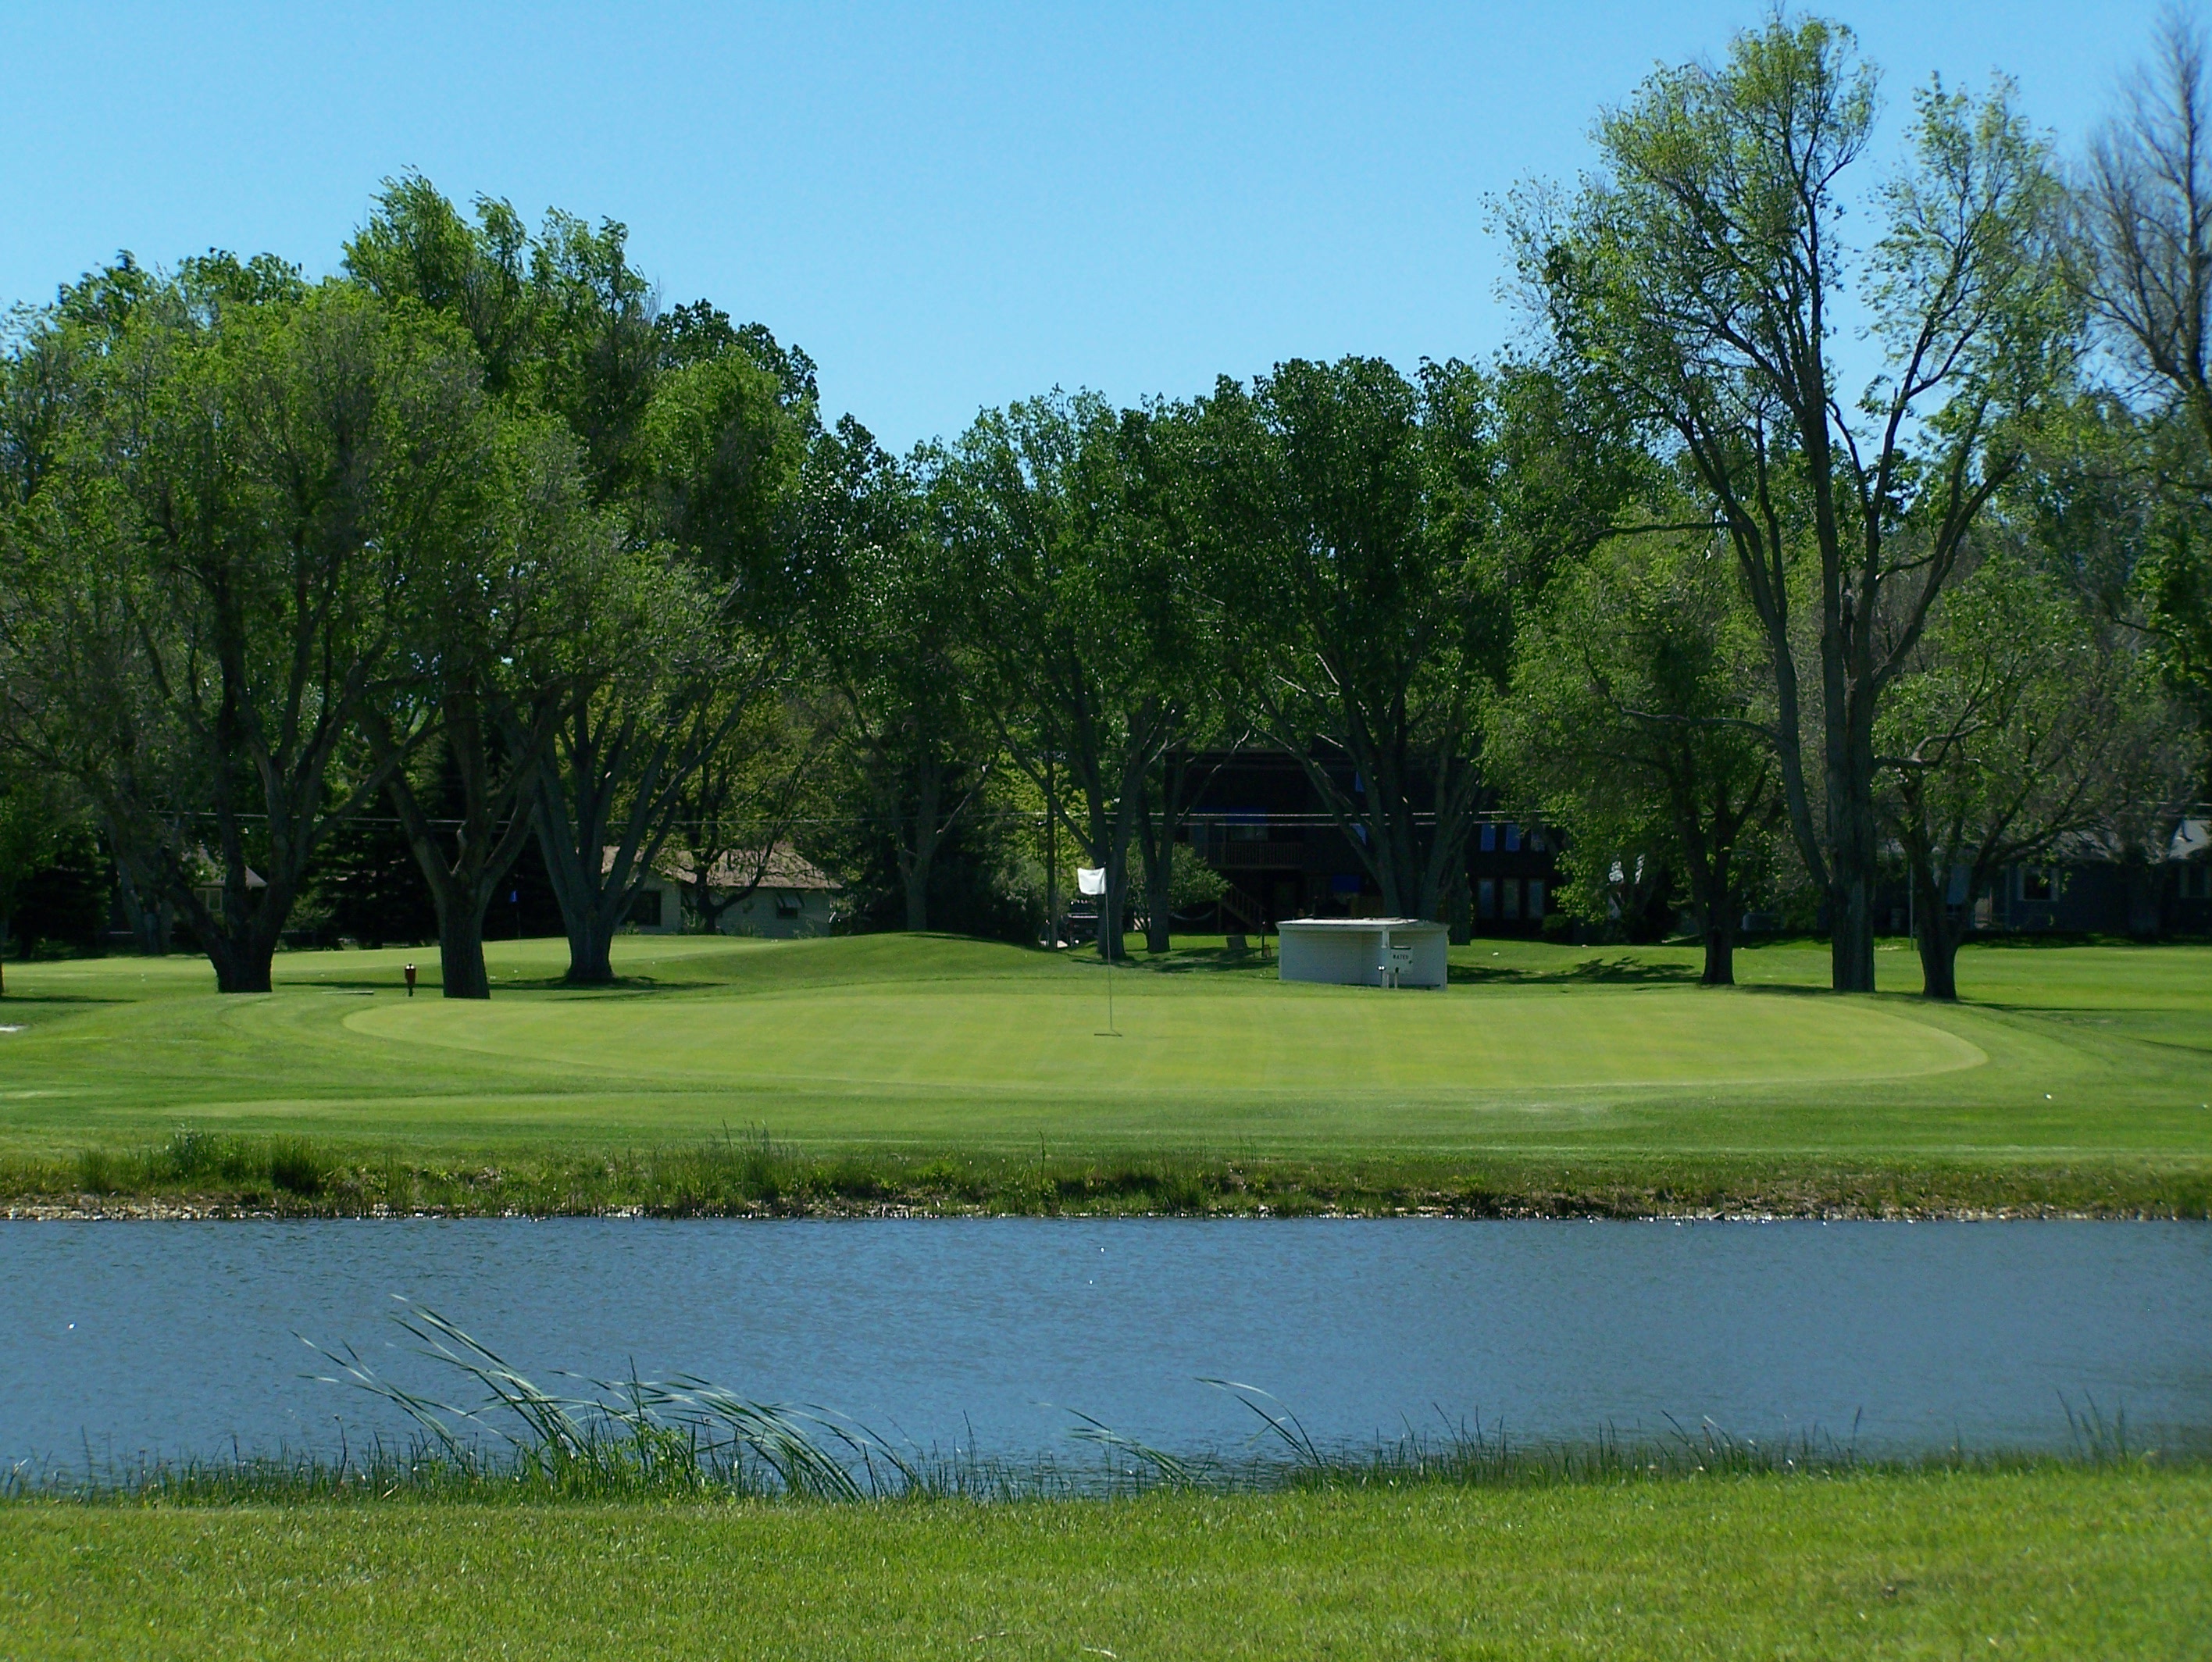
{"x": 1256, "y": 1042}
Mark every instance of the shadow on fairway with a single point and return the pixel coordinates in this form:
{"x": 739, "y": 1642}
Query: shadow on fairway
{"x": 1591, "y": 972}
{"x": 1198, "y": 960}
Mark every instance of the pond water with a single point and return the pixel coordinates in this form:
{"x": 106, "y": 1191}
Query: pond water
{"x": 118, "y": 1340}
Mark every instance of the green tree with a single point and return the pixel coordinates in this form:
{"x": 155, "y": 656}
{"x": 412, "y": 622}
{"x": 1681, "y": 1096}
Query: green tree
{"x": 1632, "y": 723}
{"x": 691, "y": 435}
{"x": 485, "y": 667}
{"x": 2144, "y": 222}
{"x": 1080, "y": 611}
{"x": 888, "y": 627}
{"x": 203, "y": 585}
{"x": 1704, "y": 273}
{"x": 2017, "y": 728}
{"x": 1374, "y": 542}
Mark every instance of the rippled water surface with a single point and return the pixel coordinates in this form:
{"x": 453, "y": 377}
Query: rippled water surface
{"x": 179, "y": 1338}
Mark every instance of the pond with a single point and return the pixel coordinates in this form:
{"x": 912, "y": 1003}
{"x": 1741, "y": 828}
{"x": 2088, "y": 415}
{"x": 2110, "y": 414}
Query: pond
{"x": 125, "y": 1339}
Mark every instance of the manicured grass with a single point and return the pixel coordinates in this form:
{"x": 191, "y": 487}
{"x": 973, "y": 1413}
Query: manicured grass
{"x": 1540, "y": 1067}
{"x": 2048, "y": 1561}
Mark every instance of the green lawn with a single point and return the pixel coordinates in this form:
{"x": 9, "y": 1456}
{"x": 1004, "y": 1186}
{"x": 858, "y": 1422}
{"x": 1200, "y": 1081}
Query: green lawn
{"x": 2048, "y": 1562}
{"x": 2074, "y": 1056}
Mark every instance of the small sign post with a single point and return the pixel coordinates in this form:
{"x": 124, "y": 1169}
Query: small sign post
{"x": 410, "y": 981}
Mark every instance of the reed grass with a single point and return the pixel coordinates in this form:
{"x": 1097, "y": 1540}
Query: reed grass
{"x": 590, "y": 1441}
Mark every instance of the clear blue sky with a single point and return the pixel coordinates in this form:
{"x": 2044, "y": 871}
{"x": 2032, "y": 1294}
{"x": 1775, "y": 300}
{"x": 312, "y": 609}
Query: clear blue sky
{"x": 948, "y": 206}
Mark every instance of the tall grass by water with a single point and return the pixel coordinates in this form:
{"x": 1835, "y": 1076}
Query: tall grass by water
{"x": 687, "y": 1439}
{"x": 752, "y": 1173}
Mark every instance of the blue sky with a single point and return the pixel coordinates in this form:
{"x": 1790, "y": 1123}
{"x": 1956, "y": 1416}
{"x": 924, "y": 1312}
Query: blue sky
{"x": 947, "y": 206}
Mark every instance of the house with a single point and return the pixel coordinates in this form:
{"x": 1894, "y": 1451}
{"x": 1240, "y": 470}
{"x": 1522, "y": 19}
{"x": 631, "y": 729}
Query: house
{"x": 2086, "y": 887}
{"x": 790, "y": 897}
{"x": 1258, "y": 819}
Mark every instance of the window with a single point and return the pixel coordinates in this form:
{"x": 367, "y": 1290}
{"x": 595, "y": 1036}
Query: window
{"x": 1512, "y": 839}
{"x": 645, "y": 908}
{"x": 2038, "y": 883}
{"x": 786, "y": 906}
{"x": 1535, "y": 897}
{"x": 1537, "y": 838}
{"x": 1486, "y": 895}
{"x": 1512, "y": 899}
{"x": 2196, "y": 881}
{"x": 1489, "y": 838}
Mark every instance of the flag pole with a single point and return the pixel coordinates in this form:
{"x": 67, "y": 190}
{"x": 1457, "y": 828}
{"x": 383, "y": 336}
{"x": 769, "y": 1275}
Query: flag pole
{"x": 1091, "y": 880}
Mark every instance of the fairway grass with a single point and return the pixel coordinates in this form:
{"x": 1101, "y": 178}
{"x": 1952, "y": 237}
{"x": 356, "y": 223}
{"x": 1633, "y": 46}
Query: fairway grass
{"x": 2074, "y": 1077}
{"x": 2046, "y": 1562}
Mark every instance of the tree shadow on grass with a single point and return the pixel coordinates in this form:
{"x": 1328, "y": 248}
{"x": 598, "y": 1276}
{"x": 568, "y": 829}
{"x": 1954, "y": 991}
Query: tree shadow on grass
{"x": 1591, "y": 972}
{"x": 1201, "y": 960}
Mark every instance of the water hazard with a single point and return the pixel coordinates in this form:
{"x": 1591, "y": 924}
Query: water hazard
{"x": 169, "y": 1340}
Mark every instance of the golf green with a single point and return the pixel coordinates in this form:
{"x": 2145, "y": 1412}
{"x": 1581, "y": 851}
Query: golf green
{"x": 1256, "y": 1042}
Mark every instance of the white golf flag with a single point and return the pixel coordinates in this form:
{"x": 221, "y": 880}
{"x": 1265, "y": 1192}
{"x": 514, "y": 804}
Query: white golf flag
{"x": 1090, "y": 880}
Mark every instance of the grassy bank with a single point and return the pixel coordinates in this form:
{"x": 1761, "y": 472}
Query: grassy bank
{"x": 2048, "y": 1560}
{"x": 933, "y": 1074}
{"x": 195, "y": 1172}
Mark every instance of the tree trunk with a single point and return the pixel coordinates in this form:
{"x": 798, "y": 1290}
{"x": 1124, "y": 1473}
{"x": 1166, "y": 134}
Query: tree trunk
{"x": 1938, "y": 958}
{"x": 1854, "y": 870}
{"x": 918, "y": 855}
{"x": 1851, "y": 935}
{"x": 3, "y": 954}
{"x": 590, "y": 898}
{"x": 242, "y": 966}
{"x": 1935, "y": 935}
{"x": 462, "y": 888}
{"x": 460, "y": 952}
{"x": 1720, "y": 951}
{"x": 591, "y": 948}
{"x": 1156, "y": 842}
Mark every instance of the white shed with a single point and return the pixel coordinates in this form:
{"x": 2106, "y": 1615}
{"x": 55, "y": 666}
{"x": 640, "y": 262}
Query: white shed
{"x": 1363, "y": 951}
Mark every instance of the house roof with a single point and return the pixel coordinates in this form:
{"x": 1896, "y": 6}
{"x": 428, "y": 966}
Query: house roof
{"x": 781, "y": 866}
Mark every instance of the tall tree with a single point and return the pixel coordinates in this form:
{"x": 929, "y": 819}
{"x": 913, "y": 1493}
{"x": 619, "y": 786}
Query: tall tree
{"x": 888, "y": 626}
{"x": 205, "y": 585}
{"x": 486, "y": 665}
{"x": 1374, "y": 540}
{"x": 691, "y": 433}
{"x": 1704, "y": 273}
{"x": 2144, "y": 213}
{"x": 1079, "y": 612}
{"x": 1632, "y": 725}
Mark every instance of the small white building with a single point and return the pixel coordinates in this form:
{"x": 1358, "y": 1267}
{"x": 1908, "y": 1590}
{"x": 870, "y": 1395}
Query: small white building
{"x": 792, "y": 897}
{"x": 1362, "y": 952}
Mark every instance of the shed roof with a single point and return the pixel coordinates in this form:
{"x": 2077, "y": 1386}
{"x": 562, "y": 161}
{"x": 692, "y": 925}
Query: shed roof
{"x": 1369, "y": 924}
